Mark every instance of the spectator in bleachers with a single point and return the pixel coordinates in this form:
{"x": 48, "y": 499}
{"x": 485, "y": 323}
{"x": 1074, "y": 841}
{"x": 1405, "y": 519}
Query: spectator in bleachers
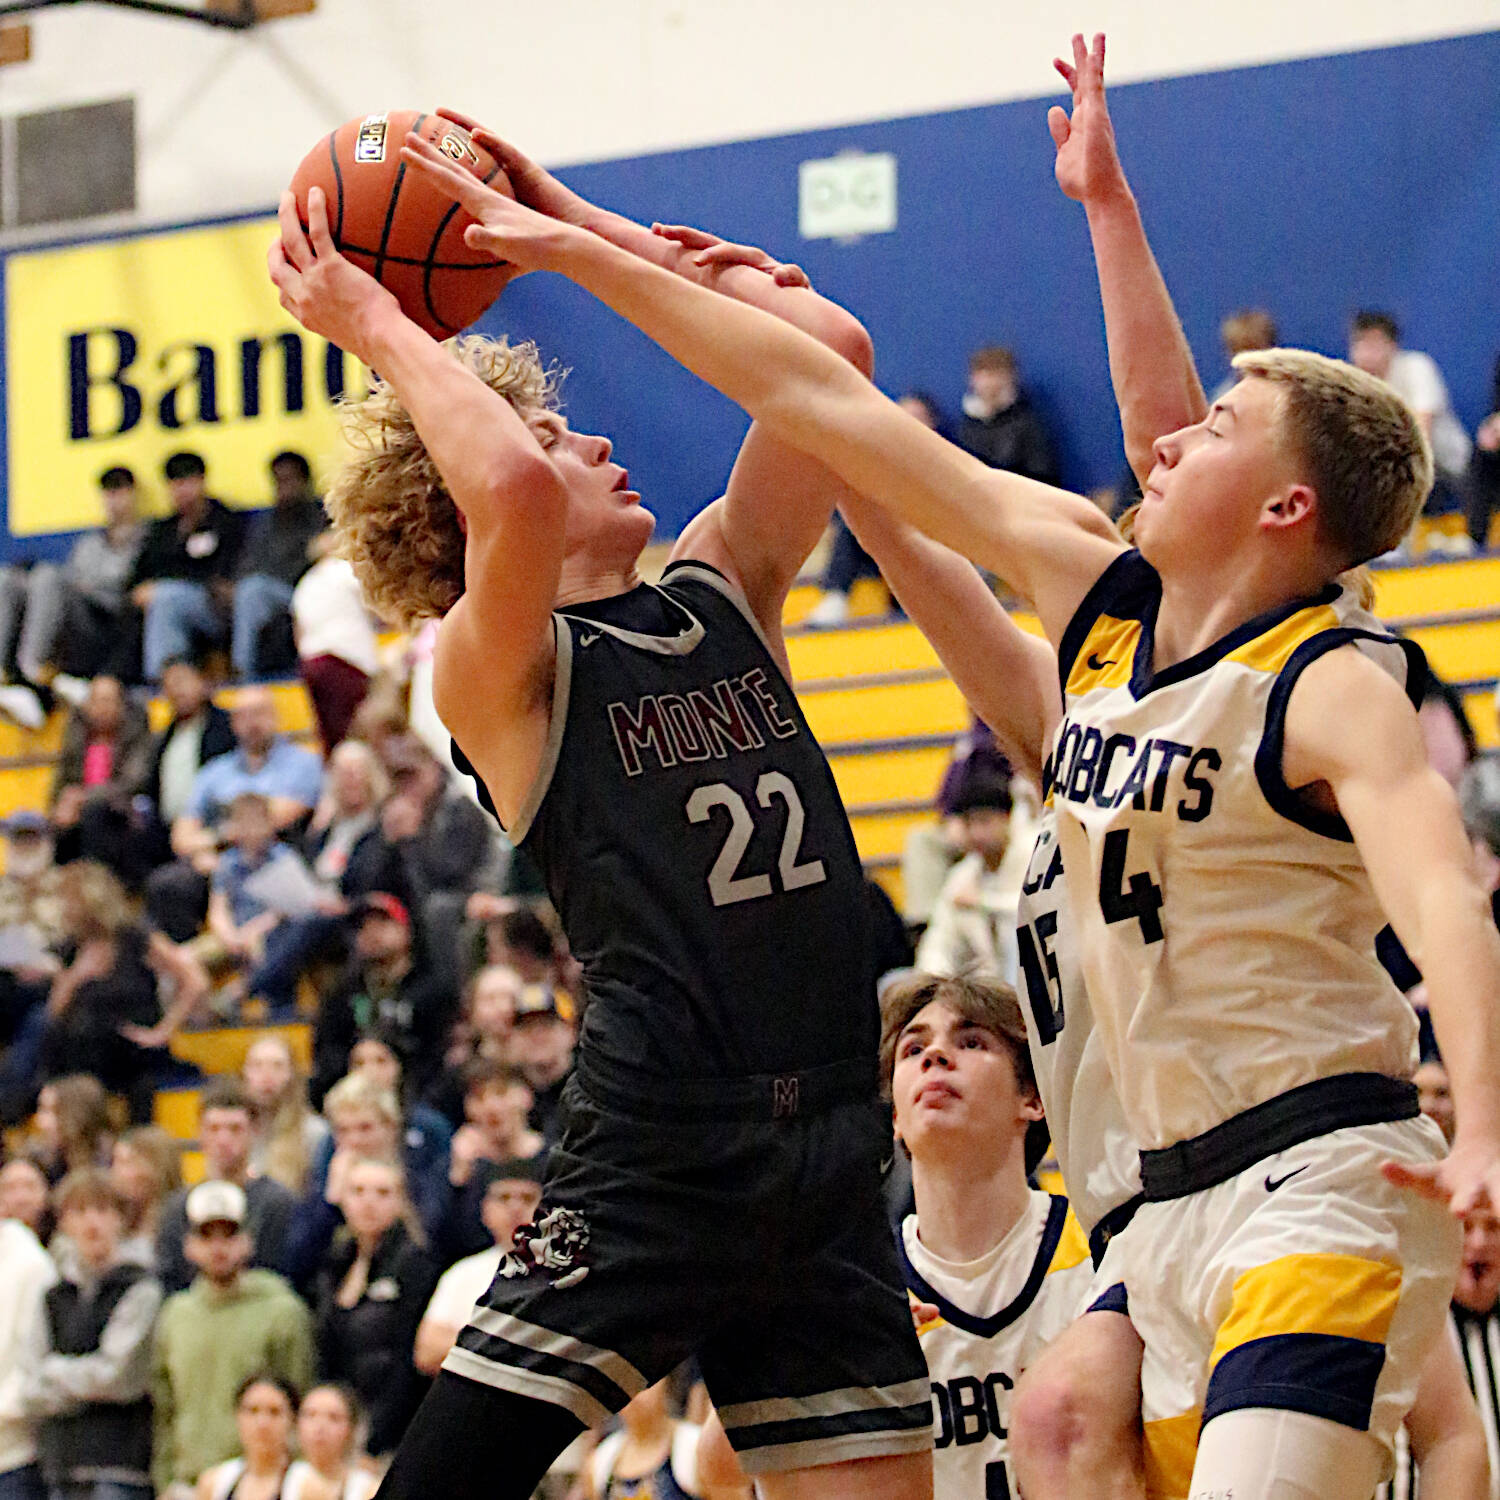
{"x": 933, "y": 849}
{"x": 511, "y": 1191}
{"x": 89, "y": 1364}
{"x": 483, "y": 1030}
{"x": 264, "y": 1413}
{"x": 72, "y": 1126}
{"x": 1484, "y": 470}
{"x": 497, "y": 1104}
{"x": 446, "y": 845}
{"x": 287, "y": 1134}
{"x": 652, "y": 1451}
{"x": 199, "y": 731}
{"x": 32, "y": 932}
{"x": 26, "y": 1271}
{"x": 1375, "y": 346}
{"x": 513, "y": 934}
{"x": 224, "y": 1136}
{"x": 90, "y": 803}
{"x": 973, "y": 923}
{"x": 146, "y": 1166}
{"x": 182, "y": 578}
{"x": 1449, "y": 736}
{"x": 262, "y": 761}
{"x": 277, "y": 552}
{"x": 389, "y": 987}
{"x": 66, "y": 623}
{"x": 378, "y": 1057}
{"x": 367, "y": 1121}
{"x": 1000, "y": 426}
{"x": 232, "y": 1323}
{"x": 847, "y": 560}
{"x": 372, "y": 1292}
{"x": 349, "y": 857}
{"x": 542, "y": 1041}
{"x": 248, "y": 934}
{"x": 24, "y": 1196}
{"x": 104, "y": 1013}
{"x": 329, "y": 1423}
{"x": 1244, "y": 332}
{"x": 336, "y": 643}
{"x": 1435, "y": 1094}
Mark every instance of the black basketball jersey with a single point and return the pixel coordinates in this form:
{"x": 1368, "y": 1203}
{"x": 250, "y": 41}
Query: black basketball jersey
{"x": 690, "y": 834}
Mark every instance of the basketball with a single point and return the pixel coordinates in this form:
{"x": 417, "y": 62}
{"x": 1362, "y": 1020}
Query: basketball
{"x": 399, "y": 228}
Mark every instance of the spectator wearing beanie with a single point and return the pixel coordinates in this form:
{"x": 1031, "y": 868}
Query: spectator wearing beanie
{"x": 974, "y": 921}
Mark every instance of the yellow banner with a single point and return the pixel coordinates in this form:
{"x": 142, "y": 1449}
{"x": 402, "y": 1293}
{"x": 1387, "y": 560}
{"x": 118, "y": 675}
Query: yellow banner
{"x": 125, "y": 351}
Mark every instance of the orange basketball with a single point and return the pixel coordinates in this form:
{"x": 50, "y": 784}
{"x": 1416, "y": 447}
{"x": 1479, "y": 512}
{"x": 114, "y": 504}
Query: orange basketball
{"x": 392, "y": 223}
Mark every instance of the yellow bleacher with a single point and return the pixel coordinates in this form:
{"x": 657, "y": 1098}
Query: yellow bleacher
{"x": 886, "y": 713}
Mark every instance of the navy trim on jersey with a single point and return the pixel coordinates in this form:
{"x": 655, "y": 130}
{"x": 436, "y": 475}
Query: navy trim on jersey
{"x": 693, "y": 571}
{"x": 988, "y": 1327}
{"x": 1144, "y": 679}
{"x": 1115, "y": 1222}
{"x": 1322, "y": 1374}
{"x": 1268, "y": 773}
{"x": 1112, "y": 587}
{"x": 1113, "y": 1299}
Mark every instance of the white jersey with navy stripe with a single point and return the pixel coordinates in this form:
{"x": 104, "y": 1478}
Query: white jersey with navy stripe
{"x": 995, "y": 1315}
{"x": 1225, "y": 929}
{"x": 1095, "y": 1151}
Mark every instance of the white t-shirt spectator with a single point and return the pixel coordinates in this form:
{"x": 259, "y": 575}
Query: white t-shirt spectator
{"x": 329, "y": 614}
{"x": 461, "y": 1286}
{"x": 1417, "y": 380}
{"x": 26, "y": 1271}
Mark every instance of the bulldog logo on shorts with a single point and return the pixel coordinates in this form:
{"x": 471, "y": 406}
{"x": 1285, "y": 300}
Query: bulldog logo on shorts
{"x": 553, "y": 1244}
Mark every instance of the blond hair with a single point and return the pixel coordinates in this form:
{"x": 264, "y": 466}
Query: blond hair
{"x": 104, "y": 908}
{"x": 1366, "y": 454}
{"x": 359, "y": 1091}
{"x": 394, "y": 517}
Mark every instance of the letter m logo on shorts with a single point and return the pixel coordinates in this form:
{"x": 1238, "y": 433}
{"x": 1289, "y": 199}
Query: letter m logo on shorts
{"x": 784, "y": 1097}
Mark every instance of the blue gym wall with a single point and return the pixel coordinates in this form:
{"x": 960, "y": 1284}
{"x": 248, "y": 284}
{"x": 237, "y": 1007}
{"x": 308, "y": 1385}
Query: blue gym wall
{"x": 1307, "y": 187}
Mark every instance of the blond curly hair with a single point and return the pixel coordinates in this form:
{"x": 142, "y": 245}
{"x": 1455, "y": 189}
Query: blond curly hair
{"x": 391, "y": 512}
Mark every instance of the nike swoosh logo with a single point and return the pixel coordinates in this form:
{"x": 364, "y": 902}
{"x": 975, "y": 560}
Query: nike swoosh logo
{"x": 1095, "y": 665}
{"x": 887, "y": 1164}
{"x": 589, "y": 639}
{"x": 1273, "y": 1184}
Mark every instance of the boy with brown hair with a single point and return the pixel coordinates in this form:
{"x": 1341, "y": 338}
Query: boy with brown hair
{"x": 89, "y": 1370}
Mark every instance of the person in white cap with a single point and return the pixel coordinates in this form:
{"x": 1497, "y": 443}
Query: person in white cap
{"x": 230, "y": 1324}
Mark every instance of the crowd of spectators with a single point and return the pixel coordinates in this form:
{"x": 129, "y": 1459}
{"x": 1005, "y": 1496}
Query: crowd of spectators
{"x": 271, "y": 1329}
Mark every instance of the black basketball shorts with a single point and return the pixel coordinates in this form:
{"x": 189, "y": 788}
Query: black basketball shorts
{"x": 759, "y": 1245}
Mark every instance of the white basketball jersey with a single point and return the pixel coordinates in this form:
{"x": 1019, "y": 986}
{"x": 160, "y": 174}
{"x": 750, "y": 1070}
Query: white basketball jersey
{"x": 1095, "y": 1151}
{"x": 1225, "y": 929}
{"x": 996, "y": 1314}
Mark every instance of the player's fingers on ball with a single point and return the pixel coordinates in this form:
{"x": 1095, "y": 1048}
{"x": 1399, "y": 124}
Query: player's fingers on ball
{"x": 463, "y": 121}
{"x": 317, "y": 223}
{"x": 293, "y": 239}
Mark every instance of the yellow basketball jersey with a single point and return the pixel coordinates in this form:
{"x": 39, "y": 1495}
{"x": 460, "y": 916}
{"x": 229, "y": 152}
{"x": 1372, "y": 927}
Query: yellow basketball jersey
{"x": 1225, "y": 928}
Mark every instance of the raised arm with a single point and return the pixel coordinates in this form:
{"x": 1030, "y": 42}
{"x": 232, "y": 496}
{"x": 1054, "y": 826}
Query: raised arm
{"x": 1037, "y": 537}
{"x": 1351, "y": 728}
{"x": 1156, "y": 384}
{"x": 1008, "y": 678}
{"x": 778, "y": 500}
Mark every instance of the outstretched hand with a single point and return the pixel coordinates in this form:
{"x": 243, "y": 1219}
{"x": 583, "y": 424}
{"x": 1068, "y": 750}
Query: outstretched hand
{"x": 507, "y": 228}
{"x": 1468, "y": 1176}
{"x": 711, "y": 252}
{"x": 534, "y": 186}
{"x": 1087, "y": 165}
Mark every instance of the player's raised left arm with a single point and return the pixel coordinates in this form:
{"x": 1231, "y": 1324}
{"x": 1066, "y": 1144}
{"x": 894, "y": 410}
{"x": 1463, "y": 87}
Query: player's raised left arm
{"x": 1351, "y": 727}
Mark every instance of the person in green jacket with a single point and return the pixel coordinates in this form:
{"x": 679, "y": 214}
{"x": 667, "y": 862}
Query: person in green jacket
{"x": 230, "y": 1324}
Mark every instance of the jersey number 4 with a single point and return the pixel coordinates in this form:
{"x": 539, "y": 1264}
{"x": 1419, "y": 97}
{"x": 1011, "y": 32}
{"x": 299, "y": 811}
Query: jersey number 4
{"x": 1137, "y": 899}
{"x": 726, "y": 885}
